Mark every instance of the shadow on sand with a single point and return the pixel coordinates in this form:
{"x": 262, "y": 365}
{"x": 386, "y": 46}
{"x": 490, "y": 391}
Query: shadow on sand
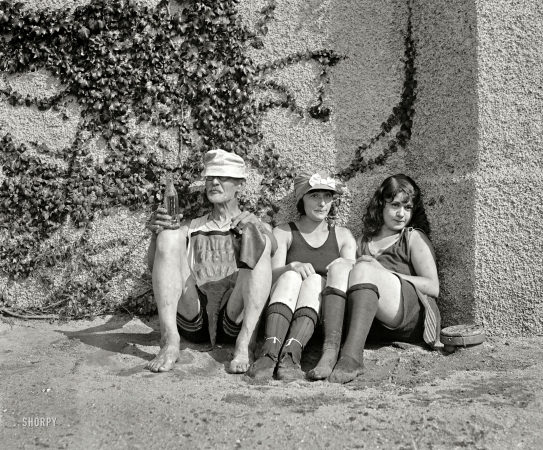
{"x": 119, "y": 336}
{"x": 116, "y": 335}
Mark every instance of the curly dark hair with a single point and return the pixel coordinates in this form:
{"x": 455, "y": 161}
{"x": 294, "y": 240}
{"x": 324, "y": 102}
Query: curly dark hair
{"x": 373, "y": 218}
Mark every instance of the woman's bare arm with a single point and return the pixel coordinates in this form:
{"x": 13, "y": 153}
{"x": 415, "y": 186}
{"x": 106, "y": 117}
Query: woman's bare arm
{"x": 424, "y": 261}
{"x": 347, "y": 244}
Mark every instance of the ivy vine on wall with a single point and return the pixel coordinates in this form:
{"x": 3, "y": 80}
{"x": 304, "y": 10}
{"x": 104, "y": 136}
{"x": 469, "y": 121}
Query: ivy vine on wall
{"x": 121, "y": 61}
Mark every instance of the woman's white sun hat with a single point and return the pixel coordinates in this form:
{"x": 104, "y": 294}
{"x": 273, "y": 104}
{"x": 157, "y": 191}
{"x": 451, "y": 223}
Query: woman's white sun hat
{"x": 305, "y": 182}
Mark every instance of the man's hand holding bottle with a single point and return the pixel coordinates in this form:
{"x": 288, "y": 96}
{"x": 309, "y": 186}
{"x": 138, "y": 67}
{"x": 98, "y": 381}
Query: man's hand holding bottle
{"x": 166, "y": 217}
{"x": 160, "y": 220}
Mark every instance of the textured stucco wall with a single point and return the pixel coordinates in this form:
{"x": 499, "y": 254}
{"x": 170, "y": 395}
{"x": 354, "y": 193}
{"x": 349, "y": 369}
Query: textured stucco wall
{"x": 475, "y": 148}
{"x": 362, "y": 91}
{"x": 443, "y": 149}
{"x": 509, "y": 200}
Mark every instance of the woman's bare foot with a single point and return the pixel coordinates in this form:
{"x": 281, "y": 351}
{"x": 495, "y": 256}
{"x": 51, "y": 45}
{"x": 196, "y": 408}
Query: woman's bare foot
{"x": 325, "y": 365}
{"x": 166, "y": 358}
{"x": 346, "y": 370}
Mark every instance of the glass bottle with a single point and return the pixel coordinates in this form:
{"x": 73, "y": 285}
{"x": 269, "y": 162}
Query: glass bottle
{"x": 171, "y": 200}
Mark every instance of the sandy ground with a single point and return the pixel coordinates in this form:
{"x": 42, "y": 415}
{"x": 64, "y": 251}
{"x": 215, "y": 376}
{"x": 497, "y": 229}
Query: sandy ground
{"x": 81, "y": 385}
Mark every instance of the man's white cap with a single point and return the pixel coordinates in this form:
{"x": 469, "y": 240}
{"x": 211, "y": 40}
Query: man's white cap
{"x": 220, "y": 163}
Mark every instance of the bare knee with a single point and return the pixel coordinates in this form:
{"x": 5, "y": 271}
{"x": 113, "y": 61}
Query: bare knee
{"x": 263, "y": 264}
{"x": 287, "y": 288}
{"x": 363, "y": 273}
{"x": 314, "y": 280}
{"x": 266, "y": 253}
{"x": 268, "y": 247}
{"x": 291, "y": 277}
{"x": 339, "y": 268}
{"x": 170, "y": 243}
{"x": 338, "y": 275}
{"x": 310, "y": 292}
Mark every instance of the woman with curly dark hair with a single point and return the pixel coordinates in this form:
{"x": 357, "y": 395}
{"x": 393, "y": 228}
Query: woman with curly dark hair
{"x": 393, "y": 283}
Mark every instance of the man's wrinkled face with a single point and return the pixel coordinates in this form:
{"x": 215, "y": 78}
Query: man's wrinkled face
{"x": 222, "y": 189}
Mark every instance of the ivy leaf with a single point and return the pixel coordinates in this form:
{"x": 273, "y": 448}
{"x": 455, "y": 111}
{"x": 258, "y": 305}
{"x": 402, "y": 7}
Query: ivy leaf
{"x": 257, "y": 43}
{"x": 83, "y": 33}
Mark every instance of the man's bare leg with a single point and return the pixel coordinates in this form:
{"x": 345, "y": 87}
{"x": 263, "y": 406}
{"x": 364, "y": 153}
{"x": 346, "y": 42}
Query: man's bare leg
{"x": 255, "y": 288}
{"x": 170, "y": 271}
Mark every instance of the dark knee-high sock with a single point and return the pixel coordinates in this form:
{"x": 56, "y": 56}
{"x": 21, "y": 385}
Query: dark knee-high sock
{"x": 333, "y": 315}
{"x": 278, "y": 319}
{"x": 301, "y": 330}
{"x": 363, "y": 300}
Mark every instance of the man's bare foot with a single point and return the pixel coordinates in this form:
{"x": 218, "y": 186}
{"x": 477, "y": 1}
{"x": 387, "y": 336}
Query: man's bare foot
{"x": 262, "y": 368}
{"x": 166, "y": 358}
{"x": 244, "y": 353}
{"x": 240, "y": 364}
{"x": 346, "y": 370}
{"x": 243, "y": 359}
{"x": 325, "y": 365}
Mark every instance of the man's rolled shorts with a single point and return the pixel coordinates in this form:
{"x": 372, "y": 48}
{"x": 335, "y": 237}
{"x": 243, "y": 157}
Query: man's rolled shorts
{"x": 215, "y": 257}
{"x": 197, "y": 329}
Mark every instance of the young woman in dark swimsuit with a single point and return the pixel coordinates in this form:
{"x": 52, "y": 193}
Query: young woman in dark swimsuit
{"x": 393, "y": 283}
{"x": 312, "y": 263}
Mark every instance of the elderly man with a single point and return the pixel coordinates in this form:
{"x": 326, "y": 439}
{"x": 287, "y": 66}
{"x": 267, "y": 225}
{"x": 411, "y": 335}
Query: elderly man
{"x": 212, "y": 275}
